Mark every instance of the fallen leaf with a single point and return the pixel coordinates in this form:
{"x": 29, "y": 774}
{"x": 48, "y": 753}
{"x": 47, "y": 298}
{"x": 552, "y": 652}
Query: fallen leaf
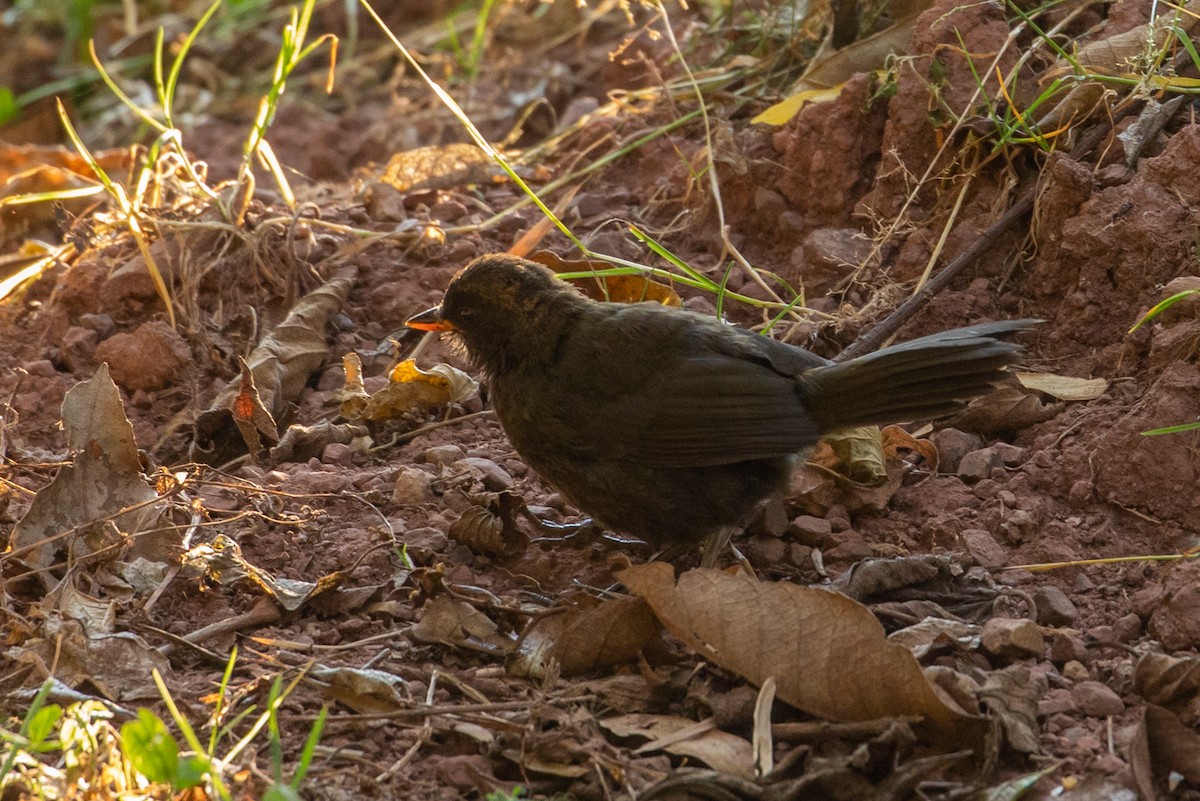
{"x": 101, "y": 500}
{"x": 1063, "y": 387}
{"x": 803, "y": 637}
{"x": 582, "y": 639}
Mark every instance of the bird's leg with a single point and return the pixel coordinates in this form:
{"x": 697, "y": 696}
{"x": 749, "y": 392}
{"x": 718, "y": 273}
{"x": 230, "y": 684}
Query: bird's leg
{"x": 715, "y": 547}
{"x": 560, "y": 532}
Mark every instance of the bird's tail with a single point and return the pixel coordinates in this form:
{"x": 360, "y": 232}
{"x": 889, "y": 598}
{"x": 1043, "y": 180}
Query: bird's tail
{"x": 922, "y": 379}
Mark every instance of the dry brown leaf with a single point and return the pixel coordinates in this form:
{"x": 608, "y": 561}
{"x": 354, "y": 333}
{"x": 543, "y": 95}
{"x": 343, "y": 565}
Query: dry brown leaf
{"x": 87, "y": 497}
{"x": 1108, "y": 56}
{"x": 409, "y": 389}
{"x": 824, "y": 77}
{"x": 222, "y": 561}
{"x": 249, "y": 414}
{"x": 726, "y": 753}
{"x": 1008, "y": 408}
{"x": 449, "y": 621}
{"x": 281, "y": 365}
{"x": 1063, "y": 387}
{"x": 300, "y": 443}
{"x": 1171, "y": 682}
{"x": 804, "y": 638}
{"x": 366, "y": 691}
{"x": 488, "y": 526}
{"x": 1173, "y": 745}
{"x": 584, "y": 639}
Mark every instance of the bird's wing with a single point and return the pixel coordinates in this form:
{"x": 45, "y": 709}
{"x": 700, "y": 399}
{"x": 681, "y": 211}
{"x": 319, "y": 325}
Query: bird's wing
{"x": 713, "y": 409}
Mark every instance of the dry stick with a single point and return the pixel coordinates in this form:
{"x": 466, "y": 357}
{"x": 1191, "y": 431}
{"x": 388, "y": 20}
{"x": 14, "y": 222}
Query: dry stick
{"x": 874, "y": 338}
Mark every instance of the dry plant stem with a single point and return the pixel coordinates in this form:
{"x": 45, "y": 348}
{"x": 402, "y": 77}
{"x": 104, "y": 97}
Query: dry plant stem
{"x": 265, "y": 611}
{"x": 726, "y": 244}
{"x": 824, "y": 731}
{"x": 874, "y": 338}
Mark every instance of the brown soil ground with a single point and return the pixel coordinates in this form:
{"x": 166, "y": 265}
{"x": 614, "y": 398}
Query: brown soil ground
{"x": 1045, "y": 481}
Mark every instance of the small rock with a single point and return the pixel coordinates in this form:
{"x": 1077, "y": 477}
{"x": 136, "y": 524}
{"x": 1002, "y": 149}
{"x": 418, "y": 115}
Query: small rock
{"x": 838, "y": 517}
{"x": 1054, "y": 608}
{"x": 1075, "y": 671}
{"x": 151, "y": 358}
{"x": 444, "y": 454}
{"x": 768, "y": 204}
{"x": 102, "y": 324}
{"x": 1015, "y": 578}
{"x": 412, "y": 486}
{"x": 984, "y": 549}
{"x": 952, "y": 446}
{"x": 1067, "y": 646}
{"x": 1010, "y": 455}
{"x": 810, "y": 531}
{"x": 850, "y": 547}
{"x": 830, "y": 254}
{"x": 494, "y": 477}
{"x": 78, "y": 348}
{"x": 447, "y": 211}
{"x": 1127, "y": 628}
{"x": 1018, "y": 526}
{"x": 1096, "y": 699}
{"x": 977, "y": 465}
{"x": 1012, "y": 637}
{"x": 771, "y": 520}
{"x": 1176, "y": 621}
{"x": 800, "y": 555}
{"x": 1007, "y": 498}
{"x": 333, "y": 483}
{"x": 1084, "y": 584}
{"x": 1055, "y": 702}
{"x": 1080, "y": 492}
{"x": 338, "y": 453}
{"x": 987, "y": 489}
{"x": 766, "y": 551}
{"x": 41, "y": 368}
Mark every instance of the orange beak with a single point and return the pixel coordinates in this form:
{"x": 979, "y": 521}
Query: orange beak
{"x": 429, "y": 320}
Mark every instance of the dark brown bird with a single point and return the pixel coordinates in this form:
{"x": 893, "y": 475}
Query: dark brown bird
{"x": 671, "y": 425}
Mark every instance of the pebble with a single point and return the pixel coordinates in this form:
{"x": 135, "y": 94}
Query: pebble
{"x": 1096, "y": 699}
{"x": 1056, "y": 702}
{"x": 1012, "y": 637}
{"x": 838, "y": 517}
{"x": 1075, "y": 671}
{"x": 494, "y": 477}
{"x": 337, "y": 453}
{"x": 984, "y": 549}
{"x": 1010, "y": 455}
{"x": 1054, "y": 608}
{"x": 444, "y": 454}
{"x": 766, "y": 551}
{"x": 412, "y": 486}
{"x": 952, "y": 446}
{"x": 850, "y": 547}
{"x": 772, "y": 519}
{"x": 1127, "y": 628}
{"x": 977, "y": 465}
{"x": 1067, "y": 646}
{"x": 811, "y": 531}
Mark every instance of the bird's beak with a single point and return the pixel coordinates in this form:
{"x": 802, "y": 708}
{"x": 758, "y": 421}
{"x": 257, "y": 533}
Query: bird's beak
{"x": 429, "y": 320}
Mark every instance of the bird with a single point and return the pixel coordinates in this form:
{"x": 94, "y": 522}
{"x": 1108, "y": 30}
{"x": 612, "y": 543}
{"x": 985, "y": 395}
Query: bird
{"x": 670, "y": 425}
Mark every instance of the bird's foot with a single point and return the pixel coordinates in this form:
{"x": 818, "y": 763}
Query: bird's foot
{"x": 583, "y": 530}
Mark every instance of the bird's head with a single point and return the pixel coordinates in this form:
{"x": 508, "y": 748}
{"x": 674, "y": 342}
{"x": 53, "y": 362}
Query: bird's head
{"x": 494, "y": 304}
